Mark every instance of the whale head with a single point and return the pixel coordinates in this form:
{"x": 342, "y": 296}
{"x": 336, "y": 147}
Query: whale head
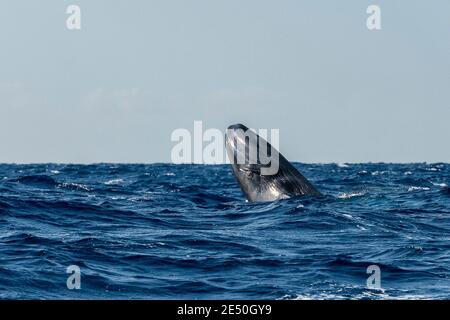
{"x": 261, "y": 171}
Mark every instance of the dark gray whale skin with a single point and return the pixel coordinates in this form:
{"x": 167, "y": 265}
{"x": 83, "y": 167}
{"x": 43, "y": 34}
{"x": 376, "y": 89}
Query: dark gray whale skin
{"x": 285, "y": 183}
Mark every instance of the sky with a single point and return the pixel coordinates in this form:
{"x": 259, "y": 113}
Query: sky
{"x": 116, "y": 89}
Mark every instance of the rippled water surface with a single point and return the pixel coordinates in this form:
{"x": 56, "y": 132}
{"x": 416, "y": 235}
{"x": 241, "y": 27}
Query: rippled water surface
{"x": 166, "y": 231}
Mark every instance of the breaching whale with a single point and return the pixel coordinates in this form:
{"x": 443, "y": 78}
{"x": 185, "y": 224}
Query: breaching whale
{"x": 261, "y": 171}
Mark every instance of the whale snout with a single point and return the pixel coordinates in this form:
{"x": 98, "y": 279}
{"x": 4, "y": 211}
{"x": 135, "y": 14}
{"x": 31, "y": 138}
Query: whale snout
{"x": 241, "y": 144}
{"x": 235, "y": 136}
{"x": 237, "y": 126}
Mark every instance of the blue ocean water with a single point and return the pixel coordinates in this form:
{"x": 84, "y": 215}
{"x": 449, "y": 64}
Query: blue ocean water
{"x": 186, "y": 232}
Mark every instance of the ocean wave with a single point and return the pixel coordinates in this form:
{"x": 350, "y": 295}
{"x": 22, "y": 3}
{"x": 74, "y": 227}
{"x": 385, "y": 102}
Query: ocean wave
{"x": 185, "y": 231}
{"x": 37, "y": 181}
{"x": 114, "y": 182}
{"x": 442, "y": 185}
{"x": 349, "y": 195}
{"x": 74, "y": 186}
{"x": 411, "y": 189}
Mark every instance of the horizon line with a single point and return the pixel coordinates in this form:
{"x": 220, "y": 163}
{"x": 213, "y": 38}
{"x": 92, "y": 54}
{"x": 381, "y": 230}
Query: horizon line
{"x": 211, "y": 164}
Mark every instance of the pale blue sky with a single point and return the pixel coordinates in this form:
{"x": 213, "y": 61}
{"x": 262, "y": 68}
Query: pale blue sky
{"x": 115, "y": 90}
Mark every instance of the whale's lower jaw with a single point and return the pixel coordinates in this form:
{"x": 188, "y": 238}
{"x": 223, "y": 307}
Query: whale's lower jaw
{"x": 270, "y": 197}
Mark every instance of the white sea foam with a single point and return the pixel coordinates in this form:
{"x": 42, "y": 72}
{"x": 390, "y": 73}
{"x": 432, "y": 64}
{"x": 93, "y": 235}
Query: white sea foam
{"x": 442, "y": 185}
{"x": 75, "y": 186}
{"x": 367, "y": 294}
{"x": 345, "y": 195}
{"x": 170, "y": 174}
{"x": 339, "y": 293}
{"x": 114, "y": 181}
{"x": 342, "y": 165}
{"x": 410, "y": 189}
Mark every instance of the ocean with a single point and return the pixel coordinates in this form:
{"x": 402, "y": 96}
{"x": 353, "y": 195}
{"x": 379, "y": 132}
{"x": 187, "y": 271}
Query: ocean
{"x": 163, "y": 231}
